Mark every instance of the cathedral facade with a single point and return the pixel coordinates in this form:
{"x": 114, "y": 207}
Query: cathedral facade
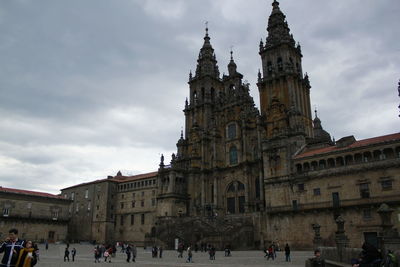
{"x": 245, "y": 176}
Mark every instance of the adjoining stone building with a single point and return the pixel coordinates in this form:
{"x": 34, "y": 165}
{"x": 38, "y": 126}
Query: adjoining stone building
{"x": 245, "y": 176}
{"x": 37, "y": 216}
{"x": 119, "y": 208}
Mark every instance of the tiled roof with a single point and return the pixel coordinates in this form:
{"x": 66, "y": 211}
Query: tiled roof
{"x": 27, "y": 192}
{"x": 118, "y": 179}
{"x": 122, "y": 179}
{"x": 360, "y": 143}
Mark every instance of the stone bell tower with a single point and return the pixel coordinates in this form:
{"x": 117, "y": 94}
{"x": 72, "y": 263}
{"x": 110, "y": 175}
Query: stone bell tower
{"x": 284, "y": 96}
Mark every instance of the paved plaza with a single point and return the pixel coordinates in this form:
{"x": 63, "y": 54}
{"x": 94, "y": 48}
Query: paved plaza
{"x": 84, "y": 258}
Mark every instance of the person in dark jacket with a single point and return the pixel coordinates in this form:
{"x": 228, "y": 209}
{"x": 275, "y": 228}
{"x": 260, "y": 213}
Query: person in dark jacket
{"x": 11, "y": 247}
{"x": 66, "y": 254}
{"x": 370, "y": 255}
{"x": 317, "y": 261}
{"x": 287, "y": 252}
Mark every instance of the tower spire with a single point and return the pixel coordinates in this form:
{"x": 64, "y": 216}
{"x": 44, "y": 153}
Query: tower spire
{"x": 232, "y": 68}
{"x": 206, "y": 63}
{"x": 278, "y": 29}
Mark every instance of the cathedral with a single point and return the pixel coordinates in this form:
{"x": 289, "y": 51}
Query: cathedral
{"x": 247, "y": 177}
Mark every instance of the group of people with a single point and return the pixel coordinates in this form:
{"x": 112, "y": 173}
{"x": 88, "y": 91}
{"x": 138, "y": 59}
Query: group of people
{"x": 18, "y": 252}
{"x": 204, "y": 248}
{"x": 66, "y": 253}
{"x": 156, "y": 251}
{"x": 106, "y": 251}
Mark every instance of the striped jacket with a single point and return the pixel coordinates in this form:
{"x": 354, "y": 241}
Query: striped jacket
{"x": 11, "y": 251}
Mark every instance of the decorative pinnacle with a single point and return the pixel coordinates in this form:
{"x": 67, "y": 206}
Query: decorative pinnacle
{"x": 206, "y": 28}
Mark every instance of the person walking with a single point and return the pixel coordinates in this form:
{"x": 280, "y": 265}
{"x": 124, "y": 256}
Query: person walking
{"x": 73, "y": 253}
{"x": 128, "y": 253}
{"x": 271, "y": 253}
{"x": 190, "y": 254}
{"x": 27, "y": 256}
{"x": 212, "y": 252}
{"x": 180, "y": 250}
{"x": 66, "y": 254}
{"x": 11, "y": 247}
{"x": 134, "y": 253}
{"x": 47, "y": 245}
{"x": 287, "y": 252}
{"x": 160, "y": 251}
{"x": 97, "y": 254}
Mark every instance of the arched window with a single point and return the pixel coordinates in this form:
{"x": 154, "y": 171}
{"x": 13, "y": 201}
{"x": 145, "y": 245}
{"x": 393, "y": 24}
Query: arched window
{"x": 257, "y": 187}
{"x": 235, "y": 200}
{"x": 233, "y": 157}
{"x": 269, "y": 67}
{"x": 231, "y": 131}
{"x": 280, "y": 65}
{"x": 195, "y": 97}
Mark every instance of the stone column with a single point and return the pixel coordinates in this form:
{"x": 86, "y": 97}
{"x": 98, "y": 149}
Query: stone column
{"x": 317, "y": 235}
{"x": 389, "y": 238}
{"x": 340, "y": 237}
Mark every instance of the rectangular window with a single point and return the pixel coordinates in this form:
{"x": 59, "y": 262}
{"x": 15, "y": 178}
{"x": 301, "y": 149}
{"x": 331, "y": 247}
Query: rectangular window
{"x": 295, "y": 205}
{"x": 122, "y": 205}
{"x": 122, "y": 196}
{"x": 54, "y": 214}
{"x": 143, "y": 217}
{"x": 300, "y": 187}
{"x": 133, "y": 204}
{"x": 122, "y": 220}
{"x": 317, "y": 191}
{"x": 77, "y": 207}
{"x": 153, "y": 202}
{"x": 367, "y": 214}
{"x": 146, "y": 183}
{"x": 153, "y": 192}
{"x": 230, "y": 205}
{"x": 6, "y": 212}
{"x": 65, "y": 196}
{"x": 364, "y": 190}
{"x": 142, "y": 203}
{"x": 241, "y": 204}
{"x": 132, "y": 219}
{"x": 335, "y": 199}
{"x": 386, "y": 184}
{"x": 89, "y": 205}
{"x": 97, "y": 207}
{"x": 72, "y": 196}
{"x": 87, "y": 193}
{"x": 133, "y": 195}
{"x": 142, "y": 194}
{"x": 29, "y": 205}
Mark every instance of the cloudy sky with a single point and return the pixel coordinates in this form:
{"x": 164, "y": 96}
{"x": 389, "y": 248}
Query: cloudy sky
{"x": 91, "y": 87}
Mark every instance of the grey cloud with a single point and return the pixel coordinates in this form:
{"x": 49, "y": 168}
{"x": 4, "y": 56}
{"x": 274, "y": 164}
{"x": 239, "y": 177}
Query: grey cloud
{"x": 91, "y": 87}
